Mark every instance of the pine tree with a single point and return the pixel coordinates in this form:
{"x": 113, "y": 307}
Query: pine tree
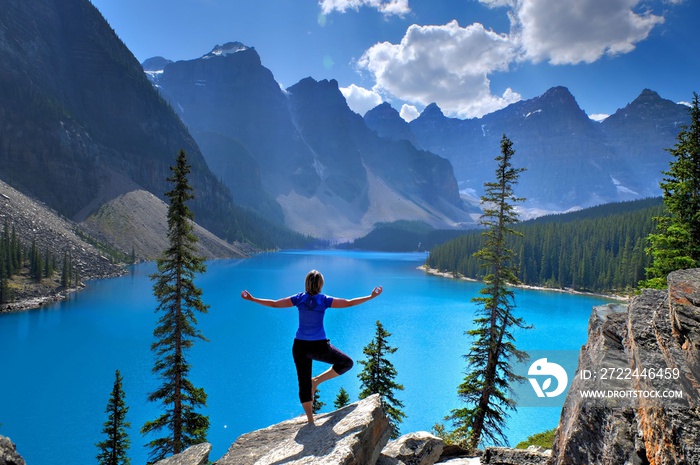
{"x": 377, "y": 377}
{"x": 48, "y": 264}
{"x": 342, "y": 399}
{"x": 66, "y": 271}
{"x": 485, "y": 389}
{"x": 8, "y": 250}
{"x": 179, "y": 300}
{"x": 17, "y": 246}
{"x": 317, "y": 404}
{"x": 36, "y": 267}
{"x": 113, "y": 450}
{"x": 676, "y": 243}
{"x": 3, "y": 272}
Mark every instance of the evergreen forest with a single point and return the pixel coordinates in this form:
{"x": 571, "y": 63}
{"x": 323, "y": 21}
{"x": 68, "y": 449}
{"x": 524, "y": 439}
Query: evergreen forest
{"x": 600, "y": 249}
{"x": 32, "y": 263}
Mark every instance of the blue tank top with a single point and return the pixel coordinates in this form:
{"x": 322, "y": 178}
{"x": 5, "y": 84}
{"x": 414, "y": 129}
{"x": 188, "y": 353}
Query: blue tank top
{"x": 312, "y": 309}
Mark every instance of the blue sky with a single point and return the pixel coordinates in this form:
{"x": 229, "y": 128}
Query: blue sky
{"x": 471, "y": 57}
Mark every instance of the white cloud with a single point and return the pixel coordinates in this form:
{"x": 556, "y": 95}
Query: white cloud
{"x": 598, "y": 117}
{"x": 576, "y": 31}
{"x": 409, "y": 112}
{"x": 360, "y": 100}
{"x": 446, "y": 64}
{"x": 498, "y": 3}
{"x": 386, "y": 7}
{"x": 452, "y": 65}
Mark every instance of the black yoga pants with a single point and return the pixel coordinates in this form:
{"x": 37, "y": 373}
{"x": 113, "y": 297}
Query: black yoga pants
{"x": 305, "y": 352}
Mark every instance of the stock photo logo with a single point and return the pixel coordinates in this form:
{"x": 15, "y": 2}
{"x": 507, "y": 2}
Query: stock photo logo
{"x": 546, "y": 371}
{"x": 549, "y": 374}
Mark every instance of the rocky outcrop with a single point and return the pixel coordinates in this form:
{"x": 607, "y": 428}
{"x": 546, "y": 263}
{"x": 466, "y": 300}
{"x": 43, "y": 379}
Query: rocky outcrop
{"x": 419, "y": 448}
{"x": 194, "y": 455}
{"x": 8, "y": 453}
{"x": 352, "y": 435}
{"x": 638, "y": 355}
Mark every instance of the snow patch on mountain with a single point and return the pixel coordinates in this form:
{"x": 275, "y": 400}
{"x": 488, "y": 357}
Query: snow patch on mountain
{"x": 622, "y": 189}
{"x": 228, "y": 48}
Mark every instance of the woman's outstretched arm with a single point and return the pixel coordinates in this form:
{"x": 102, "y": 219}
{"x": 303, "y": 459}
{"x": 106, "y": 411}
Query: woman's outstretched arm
{"x": 344, "y": 303}
{"x": 279, "y": 303}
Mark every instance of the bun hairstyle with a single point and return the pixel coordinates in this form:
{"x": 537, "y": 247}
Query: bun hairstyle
{"x": 314, "y": 282}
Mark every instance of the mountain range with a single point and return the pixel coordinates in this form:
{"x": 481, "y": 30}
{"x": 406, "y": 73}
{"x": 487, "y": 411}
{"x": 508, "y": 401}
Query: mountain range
{"x": 571, "y": 161}
{"x": 300, "y": 155}
{"x": 241, "y": 118}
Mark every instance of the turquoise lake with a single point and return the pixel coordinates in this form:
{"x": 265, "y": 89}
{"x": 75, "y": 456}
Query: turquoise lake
{"x": 59, "y": 361}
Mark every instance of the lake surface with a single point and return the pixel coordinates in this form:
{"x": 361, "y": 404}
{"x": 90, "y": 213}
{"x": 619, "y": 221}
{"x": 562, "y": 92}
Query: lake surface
{"x": 58, "y": 363}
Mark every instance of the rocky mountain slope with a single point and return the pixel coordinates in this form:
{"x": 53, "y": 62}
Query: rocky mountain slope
{"x": 34, "y": 221}
{"x": 301, "y": 156}
{"x": 571, "y": 160}
{"x": 137, "y": 221}
{"x": 638, "y": 135}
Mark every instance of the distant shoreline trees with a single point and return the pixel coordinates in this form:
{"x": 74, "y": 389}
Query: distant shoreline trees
{"x": 16, "y": 259}
{"x": 600, "y": 249}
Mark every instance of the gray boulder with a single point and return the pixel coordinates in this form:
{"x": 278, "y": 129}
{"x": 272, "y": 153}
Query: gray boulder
{"x": 419, "y": 448}
{"x": 194, "y": 455}
{"x": 463, "y": 461}
{"x": 507, "y": 456}
{"x": 8, "y": 453}
{"x": 353, "y": 435}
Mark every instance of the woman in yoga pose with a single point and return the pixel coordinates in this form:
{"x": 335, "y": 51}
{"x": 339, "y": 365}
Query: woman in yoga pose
{"x": 310, "y": 342}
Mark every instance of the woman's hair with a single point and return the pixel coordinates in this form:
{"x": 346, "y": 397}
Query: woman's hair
{"x": 314, "y": 282}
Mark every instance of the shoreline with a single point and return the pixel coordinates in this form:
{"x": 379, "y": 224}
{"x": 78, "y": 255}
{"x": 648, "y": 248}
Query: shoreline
{"x": 445, "y": 274}
{"x": 39, "y": 301}
{"x": 33, "y": 303}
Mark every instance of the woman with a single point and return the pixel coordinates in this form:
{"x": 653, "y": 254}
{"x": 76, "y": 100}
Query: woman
{"x": 310, "y": 342}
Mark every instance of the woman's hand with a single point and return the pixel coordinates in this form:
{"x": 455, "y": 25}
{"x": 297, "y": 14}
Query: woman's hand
{"x": 376, "y": 291}
{"x": 246, "y": 295}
